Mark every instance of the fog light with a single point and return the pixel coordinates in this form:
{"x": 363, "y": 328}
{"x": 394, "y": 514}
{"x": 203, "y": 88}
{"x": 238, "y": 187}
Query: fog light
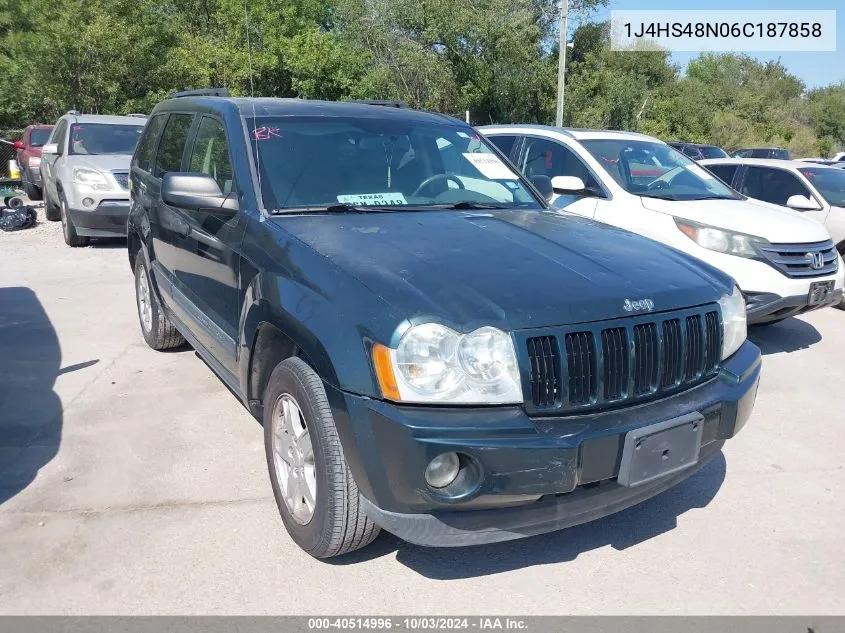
{"x": 87, "y": 202}
{"x": 442, "y": 470}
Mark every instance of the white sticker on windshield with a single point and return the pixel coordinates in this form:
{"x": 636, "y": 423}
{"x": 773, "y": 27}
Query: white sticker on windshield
{"x": 700, "y": 172}
{"x": 491, "y": 166}
{"x": 391, "y": 198}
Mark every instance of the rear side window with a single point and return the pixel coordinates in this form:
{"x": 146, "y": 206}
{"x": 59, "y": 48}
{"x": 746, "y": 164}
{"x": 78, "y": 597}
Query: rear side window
{"x": 145, "y": 154}
{"x": 210, "y": 154}
{"x": 725, "y": 173}
{"x": 38, "y": 136}
{"x": 172, "y": 146}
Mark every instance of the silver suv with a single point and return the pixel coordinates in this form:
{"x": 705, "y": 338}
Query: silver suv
{"x": 85, "y": 170}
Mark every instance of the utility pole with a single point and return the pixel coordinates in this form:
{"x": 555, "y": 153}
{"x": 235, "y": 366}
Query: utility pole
{"x": 561, "y": 68}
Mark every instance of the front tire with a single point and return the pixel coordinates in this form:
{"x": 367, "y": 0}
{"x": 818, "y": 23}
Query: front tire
{"x": 68, "y": 229}
{"x": 156, "y": 328}
{"x": 51, "y": 211}
{"x": 314, "y": 489}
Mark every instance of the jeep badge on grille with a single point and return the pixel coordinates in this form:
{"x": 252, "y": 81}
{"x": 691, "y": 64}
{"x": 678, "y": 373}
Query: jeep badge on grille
{"x": 636, "y": 306}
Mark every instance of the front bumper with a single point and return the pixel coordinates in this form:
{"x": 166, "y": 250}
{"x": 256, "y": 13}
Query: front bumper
{"x": 764, "y": 307}
{"x": 534, "y": 475}
{"x": 107, "y": 219}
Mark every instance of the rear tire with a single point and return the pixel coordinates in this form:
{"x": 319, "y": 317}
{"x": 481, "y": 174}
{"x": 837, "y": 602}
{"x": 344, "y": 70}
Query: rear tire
{"x": 68, "y": 229}
{"x": 32, "y": 192}
{"x": 157, "y": 330}
{"x": 336, "y": 523}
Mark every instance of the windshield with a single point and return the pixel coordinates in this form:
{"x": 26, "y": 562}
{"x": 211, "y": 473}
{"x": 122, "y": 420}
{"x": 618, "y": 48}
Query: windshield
{"x": 829, "y": 182}
{"x": 39, "y": 136}
{"x": 104, "y": 138}
{"x": 318, "y": 162}
{"x": 711, "y": 151}
{"x": 655, "y": 170}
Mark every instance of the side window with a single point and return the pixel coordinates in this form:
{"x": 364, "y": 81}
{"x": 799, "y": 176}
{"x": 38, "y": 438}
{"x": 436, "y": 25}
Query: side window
{"x": 773, "y": 185}
{"x": 60, "y": 135}
{"x": 504, "y": 142}
{"x": 210, "y": 154}
{"x": 725, "y": 173}
{"x": 542, "y": 157}
{"x": 172, "y": 145}
{"x": 145, "y": 154}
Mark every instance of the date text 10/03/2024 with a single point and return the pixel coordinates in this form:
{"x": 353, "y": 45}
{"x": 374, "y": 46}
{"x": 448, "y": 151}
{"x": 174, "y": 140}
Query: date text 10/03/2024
{"x": 419, "y": 623}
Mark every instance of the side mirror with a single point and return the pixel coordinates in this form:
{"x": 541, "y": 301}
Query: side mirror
{"x": 568, "y": 184}
{"x": 18, "y": 144}
{"x": 50, "y": 148}
{"x": 543, "y": 184}
{"x": 194, "y": 192}
{"x": 802, "y": 203}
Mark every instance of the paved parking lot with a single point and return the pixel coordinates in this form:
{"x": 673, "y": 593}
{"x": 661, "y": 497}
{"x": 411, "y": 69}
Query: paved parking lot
{"x": 132, "y": 481}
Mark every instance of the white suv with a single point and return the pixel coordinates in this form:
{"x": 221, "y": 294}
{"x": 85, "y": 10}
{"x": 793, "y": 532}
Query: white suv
{"x": 784, "y": 264}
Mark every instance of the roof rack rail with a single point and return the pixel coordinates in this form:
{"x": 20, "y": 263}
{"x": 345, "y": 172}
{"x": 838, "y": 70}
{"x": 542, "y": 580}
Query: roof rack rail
{"x": 140, "y": 115}
{"x": 202, "y": 92}
{"x": 381, "y": 102}
{"x": 73, "y": 112}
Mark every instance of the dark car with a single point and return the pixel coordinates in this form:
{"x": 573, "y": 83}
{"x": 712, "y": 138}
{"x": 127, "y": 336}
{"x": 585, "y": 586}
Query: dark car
{"x": 28, "y": 155}
{"x": 429, "y": 347}
{"x": 761, "y": 152}
{"x": 699, "y": 151}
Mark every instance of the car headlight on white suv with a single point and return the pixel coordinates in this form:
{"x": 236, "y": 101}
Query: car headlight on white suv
{"x": 434, "y": 364}
{"x": 734, "y": 322}
{"x": 91, "y": 178}
{"x": 721, "y": 240}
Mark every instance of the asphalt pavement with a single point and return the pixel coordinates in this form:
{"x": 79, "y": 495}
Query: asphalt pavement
{"x": 133, "y": 482}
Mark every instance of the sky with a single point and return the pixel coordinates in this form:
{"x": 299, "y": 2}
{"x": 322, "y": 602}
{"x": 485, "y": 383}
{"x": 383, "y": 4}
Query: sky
{"x": 815, "y": 69}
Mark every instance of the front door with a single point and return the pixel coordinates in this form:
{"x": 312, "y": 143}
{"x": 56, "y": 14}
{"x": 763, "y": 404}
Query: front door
{"x": 545, "y": 157}
{"x": 209, "y": 261}
{"x": 49, "y": 162}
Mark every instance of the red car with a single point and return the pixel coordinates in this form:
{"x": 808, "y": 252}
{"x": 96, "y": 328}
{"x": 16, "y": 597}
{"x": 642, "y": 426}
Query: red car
{"x": 28, "y": 154}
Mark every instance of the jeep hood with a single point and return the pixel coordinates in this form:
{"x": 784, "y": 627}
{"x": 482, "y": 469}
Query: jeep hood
{"x": 776, "y": 224}
{"x": 510, "y": 269}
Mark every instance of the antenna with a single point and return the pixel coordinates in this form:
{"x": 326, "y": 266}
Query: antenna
{"x": 252, "y": 99}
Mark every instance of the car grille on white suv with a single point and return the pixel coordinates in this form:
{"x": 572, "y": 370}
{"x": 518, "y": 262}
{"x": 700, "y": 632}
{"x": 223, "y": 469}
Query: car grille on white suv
{"x": 802, "y": 260}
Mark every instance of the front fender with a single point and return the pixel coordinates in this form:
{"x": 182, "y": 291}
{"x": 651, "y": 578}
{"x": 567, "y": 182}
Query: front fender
{"x": 335, "y": 345}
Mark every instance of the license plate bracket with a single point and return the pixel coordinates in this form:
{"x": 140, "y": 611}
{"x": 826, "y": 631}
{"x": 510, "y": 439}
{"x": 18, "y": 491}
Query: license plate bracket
{"x": 657, "y": 450}
{"x": 820, "y": 291}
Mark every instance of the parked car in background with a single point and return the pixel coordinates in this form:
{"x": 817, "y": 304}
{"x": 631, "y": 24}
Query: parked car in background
{"x": 429, "y": 348}
{"x": 784, "y": 263}
{"x": 817, "y": 191}
{"x": 824, "y": 161}
{"x": 699, "y": 151}
{"x": 28, "y": 155}
{"x": 839, "y": 157}
{"x": 778, "y": 153}
{"x": 85, "y": 170}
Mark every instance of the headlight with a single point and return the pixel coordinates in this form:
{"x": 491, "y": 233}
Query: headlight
{"x": 34, "y": 162}
{"x": 435, "y": 364}
{"x": 719, "y": 240}
{"x": 91, "y": 178}
{"x": 734, "y": 325}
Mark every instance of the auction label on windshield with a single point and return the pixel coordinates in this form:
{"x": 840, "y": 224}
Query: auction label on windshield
{"x": 391, "y": 198}
{"x": 731, "y": 31}
{"x": 490, "y": 166}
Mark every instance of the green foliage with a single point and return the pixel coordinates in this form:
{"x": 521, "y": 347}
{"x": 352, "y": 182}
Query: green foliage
{"x": 496, "y": 58}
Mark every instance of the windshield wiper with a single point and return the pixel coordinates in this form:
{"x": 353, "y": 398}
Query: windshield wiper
{"x": 715, "y": 198}
{"x": 671, "y": 197}
{"x": 469, "y": 204}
